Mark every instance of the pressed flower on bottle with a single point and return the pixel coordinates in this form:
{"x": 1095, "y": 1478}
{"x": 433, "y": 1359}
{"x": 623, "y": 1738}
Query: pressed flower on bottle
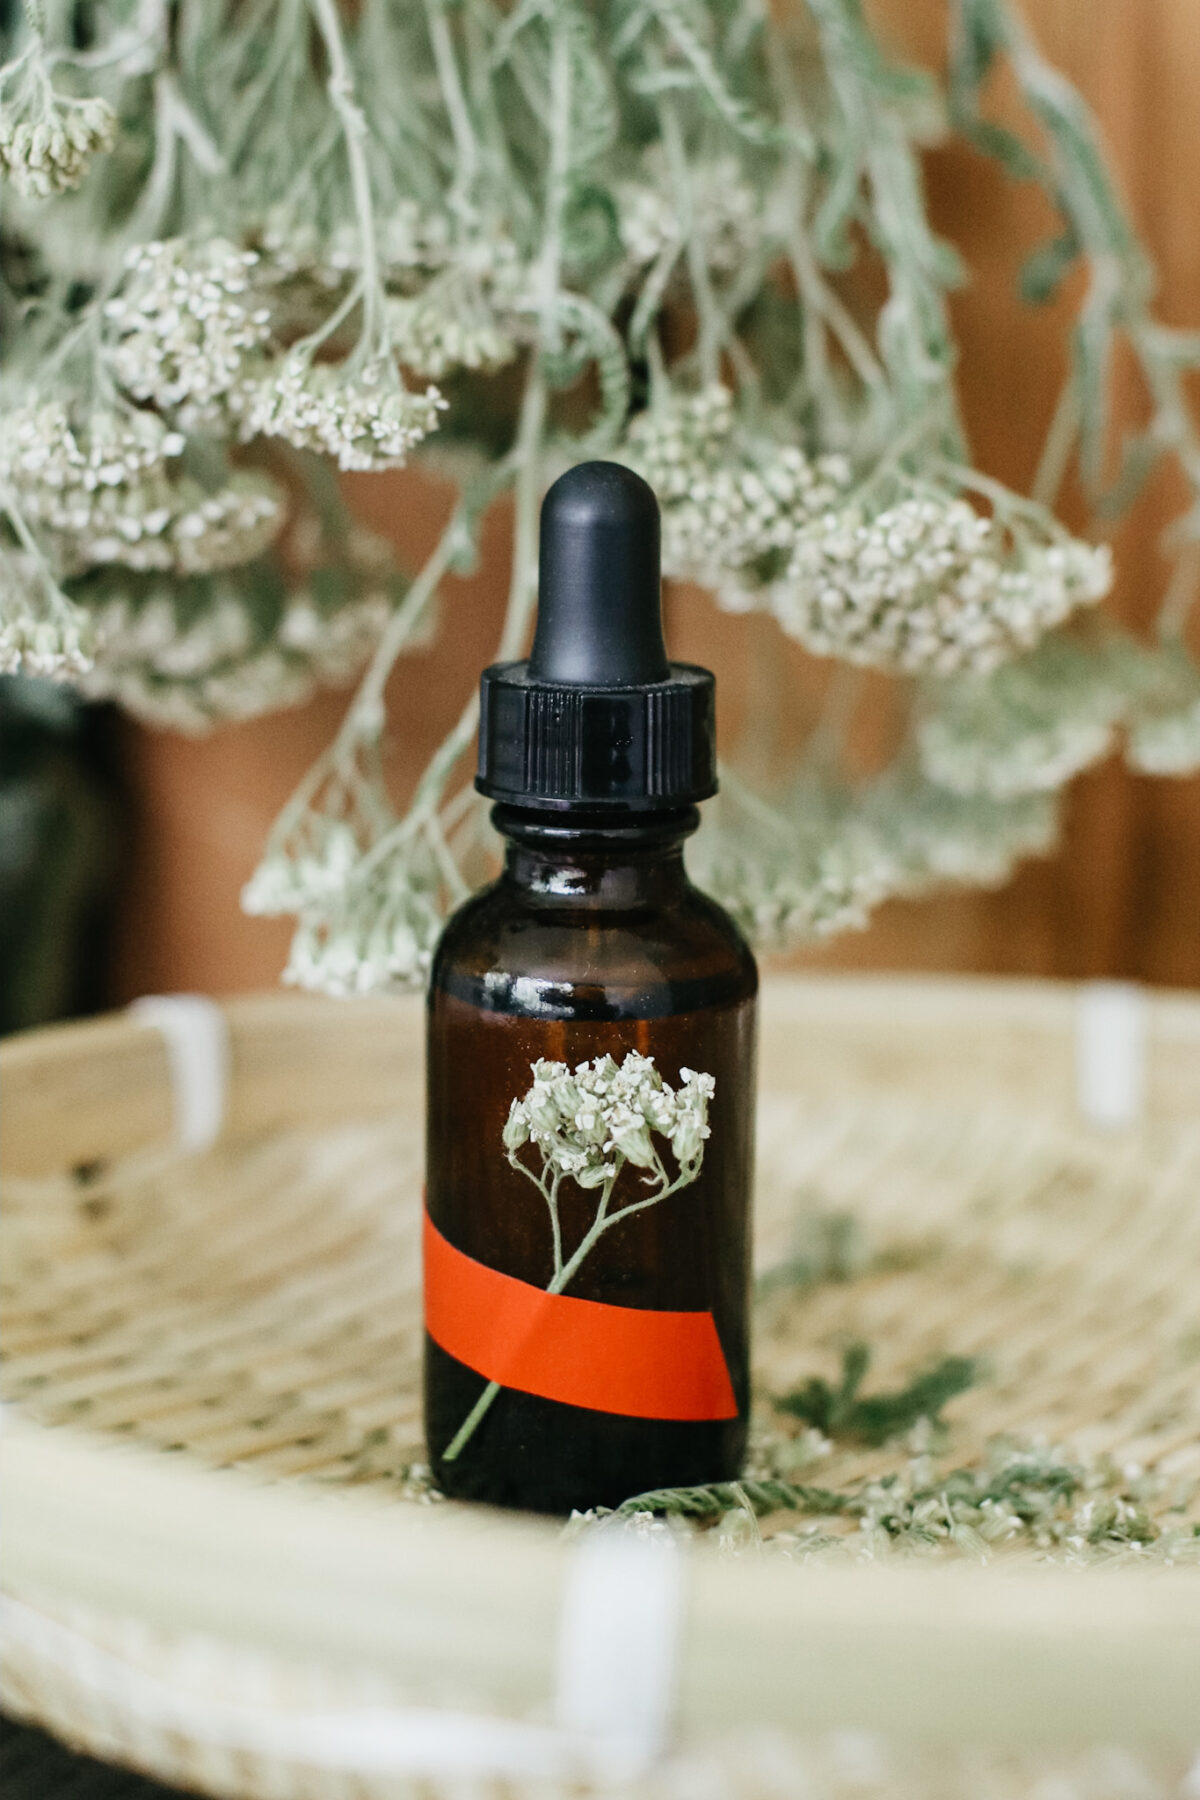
{"x": 588, "y": 1126}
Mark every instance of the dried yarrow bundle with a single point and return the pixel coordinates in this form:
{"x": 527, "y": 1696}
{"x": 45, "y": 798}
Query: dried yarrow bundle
{"x": 509, "y": 238}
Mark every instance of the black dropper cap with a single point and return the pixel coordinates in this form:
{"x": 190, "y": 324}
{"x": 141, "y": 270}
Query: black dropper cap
{"x": 598, "y": 719}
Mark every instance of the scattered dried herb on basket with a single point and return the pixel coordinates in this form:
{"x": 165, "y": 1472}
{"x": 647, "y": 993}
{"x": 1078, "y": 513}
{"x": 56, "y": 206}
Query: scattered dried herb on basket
{"x": 705, "y": 1505}
{"x": 1022, "y": 1497}
{"x": 842, "y": 1412}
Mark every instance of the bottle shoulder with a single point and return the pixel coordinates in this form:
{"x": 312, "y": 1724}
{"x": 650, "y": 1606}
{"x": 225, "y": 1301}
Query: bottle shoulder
{"x": 509, "y": 951}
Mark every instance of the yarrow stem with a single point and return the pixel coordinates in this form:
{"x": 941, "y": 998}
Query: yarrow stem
{"x": 354, "y": 130}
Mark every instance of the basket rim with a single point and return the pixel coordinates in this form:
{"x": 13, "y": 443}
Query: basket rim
{"x": 460, "y": 1596}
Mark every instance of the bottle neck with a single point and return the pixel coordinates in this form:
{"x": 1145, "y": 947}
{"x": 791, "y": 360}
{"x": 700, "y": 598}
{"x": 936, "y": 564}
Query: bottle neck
{"x": 594, "y": 862}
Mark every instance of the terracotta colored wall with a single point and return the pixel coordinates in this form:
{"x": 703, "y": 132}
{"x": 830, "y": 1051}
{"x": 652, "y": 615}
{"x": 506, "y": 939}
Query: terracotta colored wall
{"x": 1122, "y": 896}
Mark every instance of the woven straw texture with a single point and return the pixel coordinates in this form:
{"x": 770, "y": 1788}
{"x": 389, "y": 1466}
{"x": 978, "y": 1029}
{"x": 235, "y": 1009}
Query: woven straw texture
{"x": 924, "y": 1174}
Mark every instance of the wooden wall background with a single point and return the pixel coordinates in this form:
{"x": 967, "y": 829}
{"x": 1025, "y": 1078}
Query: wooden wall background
{"x": 1122, "y": 895}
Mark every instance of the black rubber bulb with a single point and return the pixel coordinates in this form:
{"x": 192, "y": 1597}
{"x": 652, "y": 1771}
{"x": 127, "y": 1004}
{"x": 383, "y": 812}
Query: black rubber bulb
{"x": 599, "y": 600}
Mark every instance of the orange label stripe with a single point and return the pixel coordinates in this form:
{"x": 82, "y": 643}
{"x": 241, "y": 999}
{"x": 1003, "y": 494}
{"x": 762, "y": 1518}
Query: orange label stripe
{"x": 614, "y": 1359}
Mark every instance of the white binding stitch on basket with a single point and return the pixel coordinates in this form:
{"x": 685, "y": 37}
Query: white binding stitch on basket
{"x": 1110, "y": 1053}
{"x": 196, "y": 1035}
{"x": 618, "y": 1648}
{"x": 379, "y": 1740}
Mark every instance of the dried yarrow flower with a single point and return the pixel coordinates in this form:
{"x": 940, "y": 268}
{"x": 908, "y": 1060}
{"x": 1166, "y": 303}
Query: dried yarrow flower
{"x": 829, "y": 860}
{"x": 111, "y": 490}
{"x": 411, "y": 240}
{"x": 364, "y": 927}
{"x": 923, "y": 583}
{"x": 472, "y": 307}
{"x": 728, "y": 214}
{"x": 733, "y": 504}
{"x": 1164, "y": 729}
{"x": 927, "y": 584}
{"x": 41, "y": 633}
{"x": 932, "y": 836}
{"x": 364, "y": 417}
{"x": 43, "y": 449}
{"x": 167, "y": 522}
{"x": 585, "y": 1122}
{"x": 375, "y": 942}
{"x": 48, "y": 140}
{"x": 819, "y": 861}
{"x": 1027, "y": 727}
{"x": 432, "y": 337}
{"x": 182, "y": 325}
{"x": 193, "y": 652}
{"x": 586, "y": 1125}
{"x": 311, "y": 877}
{"x": 263, "y": 681}
{"x": 1070, "y": 1508}
{"x": 796, "y": 883}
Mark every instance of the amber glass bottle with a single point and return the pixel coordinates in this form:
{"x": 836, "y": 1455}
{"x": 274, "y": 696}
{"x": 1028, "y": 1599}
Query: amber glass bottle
{"x": 633, "y": 1373}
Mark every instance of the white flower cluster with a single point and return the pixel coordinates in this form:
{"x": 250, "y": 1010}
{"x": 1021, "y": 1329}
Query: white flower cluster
{"x": 727, "y": 213}
{"x": 1164, "y": 732}
{"x": 1026, "y": 728}
{"x": 929, "y": 585}
{"x": 1168, "y": 744}
{"x": 181, "y": 327}
{"x": 587, "y": 1123}
{"x": 923, "y": 585}
{"x": 58, "y": 649}
{"x": 193, "y": 654}
{"x": 472, "y": 312}
{"x": 376, "y": 942}
{"x": 366, "y": 418}
{"x": 733, "y": 507}
{"x": 356, "y": 934}
{"x": 47, "y": 148}
{"x": 410, "y": 238}
{"x": 792, "y": 886}
{"x": 312, "y": 878}
{"x": 442, "y": 329}
{"x": 41, "y": 449}
{"x": 40, "y": 634}
{"x": 191, "y": 327}
{"x": 832, "y": 859}
{"x": 931, "y": 836}
{"x": 105, "y": 492}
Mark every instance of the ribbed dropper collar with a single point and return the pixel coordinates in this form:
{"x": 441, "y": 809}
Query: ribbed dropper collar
{"x": 597, "y": 719}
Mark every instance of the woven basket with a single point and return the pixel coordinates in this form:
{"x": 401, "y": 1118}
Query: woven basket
{"x": 220, "y": 1568}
